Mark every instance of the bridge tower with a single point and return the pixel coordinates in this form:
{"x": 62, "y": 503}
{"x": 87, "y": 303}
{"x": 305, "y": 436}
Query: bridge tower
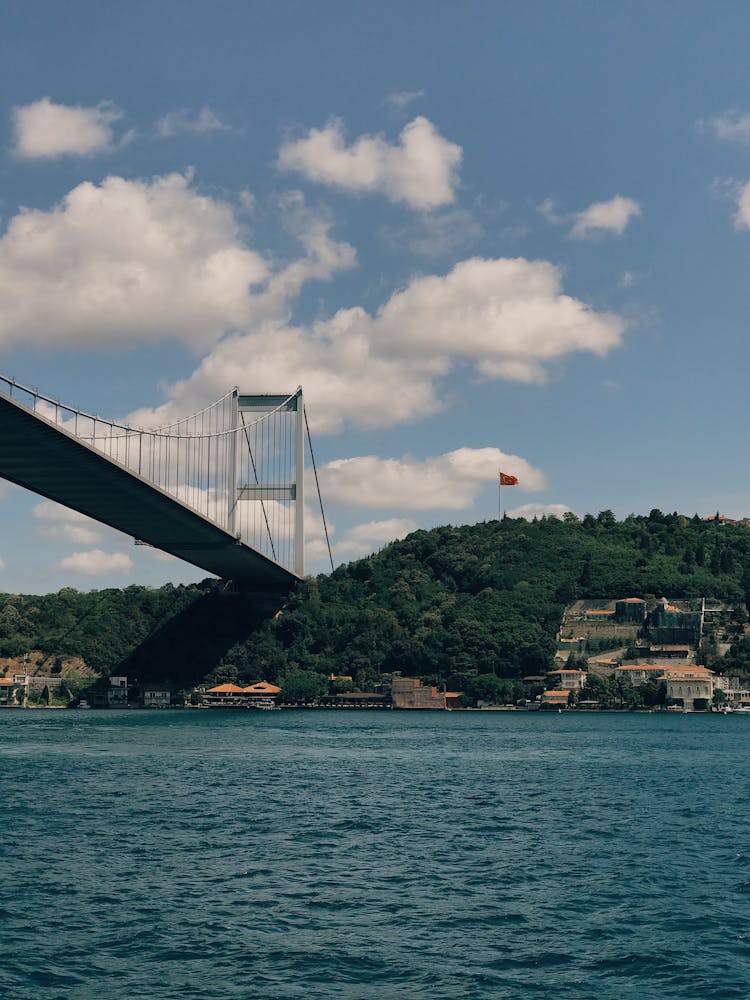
{"x": 290, "y": 488}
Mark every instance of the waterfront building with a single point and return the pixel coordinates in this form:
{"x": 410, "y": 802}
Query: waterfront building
{"x": 13, "y": 690}
{"x": 556, "y": 698}
{"x": 113, "y": 695}
{"x": 736, "y": 695}
{"x": 409, "y": 692}
{"x": 234, "y": 696}
{"x": 689, "y": 685}
{"x": 261, "y": 693}
{"x": 157, "y": 696}
{"x": 224, "y": 696}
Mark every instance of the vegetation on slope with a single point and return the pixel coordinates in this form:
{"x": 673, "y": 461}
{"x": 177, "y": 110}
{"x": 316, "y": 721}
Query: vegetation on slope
{"x": 486, "y": 598}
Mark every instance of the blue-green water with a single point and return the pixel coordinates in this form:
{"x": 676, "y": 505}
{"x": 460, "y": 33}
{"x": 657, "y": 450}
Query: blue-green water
{"x": 373, "y": 854}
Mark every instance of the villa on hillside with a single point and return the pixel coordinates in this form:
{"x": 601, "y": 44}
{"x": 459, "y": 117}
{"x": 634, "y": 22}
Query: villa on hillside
{"x": 569, "y": 680}
{"x": 639, "y": 673}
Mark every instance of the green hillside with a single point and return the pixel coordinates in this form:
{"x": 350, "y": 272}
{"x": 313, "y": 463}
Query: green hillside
{"x": 487, "y": 597}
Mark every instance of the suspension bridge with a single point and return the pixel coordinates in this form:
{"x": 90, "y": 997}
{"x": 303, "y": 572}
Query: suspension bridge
{"x": 221, "y": 489}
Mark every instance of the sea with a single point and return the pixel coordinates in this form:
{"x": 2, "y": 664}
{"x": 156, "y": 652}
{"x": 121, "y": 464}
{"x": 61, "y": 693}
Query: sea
{"x": 373, "y": 854}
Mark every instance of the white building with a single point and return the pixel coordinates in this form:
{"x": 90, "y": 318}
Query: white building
{"x": 689, "y": 684}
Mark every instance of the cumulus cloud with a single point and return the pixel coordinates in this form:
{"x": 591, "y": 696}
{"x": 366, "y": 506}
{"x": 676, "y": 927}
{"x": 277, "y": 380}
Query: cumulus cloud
{"x": 451, "y": 481}
{"x": 733, "y": 126}
{"x": 61, "y": 522}
{"x": 532, "y": 510}
{"x": 95, "y": 562}
{"x": 610, "y": 216}
{"x": 421, "y": 169}
{"x": 509, "y": 317}
{"x": 184, "y": 120}
{"x": 142, "y": 260}
{"x": 44, "y": 130}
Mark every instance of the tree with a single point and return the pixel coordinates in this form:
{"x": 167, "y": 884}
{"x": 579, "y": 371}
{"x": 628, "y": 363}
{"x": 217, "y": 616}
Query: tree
{"x": 302, "y": 686}
{"x": 653, "y": 692}
{"x": 488, "y": 688}
{"x": 596, "y": 688}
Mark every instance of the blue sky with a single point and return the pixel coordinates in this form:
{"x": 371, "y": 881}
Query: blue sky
{"x": 479, "y": 235}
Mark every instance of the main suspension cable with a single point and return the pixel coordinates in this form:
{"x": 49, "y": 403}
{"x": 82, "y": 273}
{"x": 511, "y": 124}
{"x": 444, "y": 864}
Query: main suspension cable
{"x": 317, "y": 485}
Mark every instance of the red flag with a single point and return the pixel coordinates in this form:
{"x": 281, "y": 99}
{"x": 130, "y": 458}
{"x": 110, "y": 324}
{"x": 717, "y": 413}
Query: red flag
{"x": 505, "y": 479}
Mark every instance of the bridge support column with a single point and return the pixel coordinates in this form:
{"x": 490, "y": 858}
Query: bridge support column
{"x": 232, "y": 462}
{"x": 299, "y": 499}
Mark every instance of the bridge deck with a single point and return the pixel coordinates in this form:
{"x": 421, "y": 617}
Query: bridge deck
{"x": 45, "y": 458}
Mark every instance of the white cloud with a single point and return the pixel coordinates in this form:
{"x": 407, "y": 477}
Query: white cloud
{"x": 742, "y": 216}
{"x": 532, "y": 510}
{"x": 732, "y": 126}
{"x": 95, "y": 562}
{"x": 509, "y": 317}
{"x": 445, "y": 482}
{"x": 402, "y": 98}
{"x": 363, "y": 539}
{"x": 548, "y": 210}
{"x": 420, "y": 170}
{"x": 61, "y": 522}
{"x": 2, "y": 564}
{"x": 343, "y": 379}
{"x": 142, "y": 260}
{"x": 44, "y": 130}
{"x": 183, "y": 120}
{"x": 610, "y": 216}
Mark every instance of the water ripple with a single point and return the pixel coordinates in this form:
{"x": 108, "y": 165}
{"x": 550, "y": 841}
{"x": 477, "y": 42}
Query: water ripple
{"x": 374, "y": 855}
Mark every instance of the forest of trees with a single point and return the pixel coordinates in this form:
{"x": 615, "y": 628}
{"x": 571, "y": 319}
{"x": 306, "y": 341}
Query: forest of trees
{"x": 447, "y": 605}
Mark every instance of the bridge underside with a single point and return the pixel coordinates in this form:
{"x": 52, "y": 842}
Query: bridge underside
{"x": 48, "y": 460}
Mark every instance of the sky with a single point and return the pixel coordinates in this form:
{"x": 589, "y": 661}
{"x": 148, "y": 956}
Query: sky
{"x": 481, "y": 236}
